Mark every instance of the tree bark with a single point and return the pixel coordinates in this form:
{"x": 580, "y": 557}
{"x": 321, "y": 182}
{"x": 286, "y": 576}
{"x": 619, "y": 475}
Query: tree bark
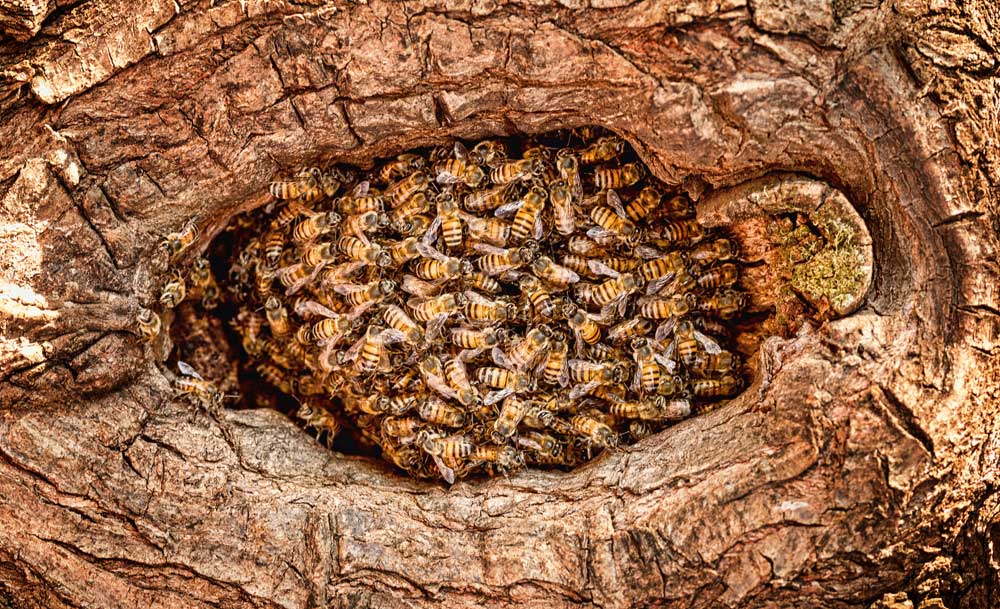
{"x": 860, "y": 465}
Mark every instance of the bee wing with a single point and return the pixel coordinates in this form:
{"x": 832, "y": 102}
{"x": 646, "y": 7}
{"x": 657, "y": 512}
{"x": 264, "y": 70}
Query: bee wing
{"x": 461, "y": 152}
{"x": 304, "y": 308}
{"x": 664, "y": 329}
{"x": 654, "y": 286}
{"x": 446, "y": 177}
{"x": 578, "y": 345}
{"x": 615, "y": 203}
{"x": 432, "y": 230}
{"x": 486, "y": 248}
{"x": 665, "y": 360}
{"x": 361, "y": 189}
{"x": 446, "y": 472}
{"x": 352, "y": 353}
{"x": 647, "y": 252}
{"x": 345, "y": 289}
{"x": 599, "y": 268}
{"x": 508, "y": 209}
{"x": 618, "y": 303}
{"x": 434, "y": 326}
{"x": 496, "y": 396}
{"x": 563, "y": 378}
{"x": 418, "y": 287}
{"x": 390, "y": 336}
{"x": 600, "y": 235}
{"x": 501, "y": 358}
{"x": 187, "y": 370}
{"x": 539, "y": 228}
{"x": 576, "y": 187}
{"x": 527, "y": 443}
{"x": 438, "y": 384}
{"x": 579, "y": 391}
{"x": 428, "y": 251}
{"x": 711, "y": 347}
{"x": 467, "y": 355}
{"x": 477, "y": 298}
{"x": 637, "y": 377}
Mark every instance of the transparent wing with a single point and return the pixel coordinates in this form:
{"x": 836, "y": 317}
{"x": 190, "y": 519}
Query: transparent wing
{"x": 187, "y": 370}
{"x": 434, "y": 327}
{"x": 486, "y": 248}
{"x": 418, "y": 287}
{"x": 599, "y": 268}
{"x": 654, "y": 286}
{"x": 508, "y": 209}
{"x": 361, "y": 189}
{"x": 428, "y": 251}
{"x": 501, "y": 358}
{"x": 304, "y": 308}
{"x": 392, "y": 335}
{"x": 539, "y": 228}
{"x": 446, "y": 472}
{"x": 615, "y": 203}
{"x": 355, "y": 349}
{"x": 496, "y": 396}
{"x": 711, "y": 347}
{"x": 431, "y": 235}
{"x": 647, "y": 252}
{"x": 578, "y": 391}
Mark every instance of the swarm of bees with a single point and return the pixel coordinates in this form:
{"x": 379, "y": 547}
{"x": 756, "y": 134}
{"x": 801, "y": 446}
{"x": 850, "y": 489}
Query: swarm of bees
{"x": 483, "y": 308}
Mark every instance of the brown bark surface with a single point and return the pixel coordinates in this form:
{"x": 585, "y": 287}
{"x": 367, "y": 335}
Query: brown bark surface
{"x": 861, "y": 462}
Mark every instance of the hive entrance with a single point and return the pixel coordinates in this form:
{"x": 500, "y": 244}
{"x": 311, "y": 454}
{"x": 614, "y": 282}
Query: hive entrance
{"x": 485, "y": 306}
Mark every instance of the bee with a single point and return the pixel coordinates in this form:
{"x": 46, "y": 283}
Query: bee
{"x": 568, "y": 166}
{"x": 371, "y": 349}
{"x": 401, "y": 217}
{"x": 361, "y": 297}
{"x": 356, "y": 206}
{"x": 249, "y": 325}
{"x": 200, "y": 391}
{"x": 725, "y": 305}
{"x": 562, "y": 207}
{"x": 603, "y": 150}
{"x": 487, "y": 199}
{"x": 645, "y": 410}
{"x": 504, "y": 457}
{"x": 314, "y": 415}
{"x": 671, "y": 386}
{"x": 400, "y": 191}
{"x": 502, "y": 378}
{"x": 720, "y": 277}
{"x": 525, "y": 351}
{"x": 374, "y": 403}
{"x": 689, "y": 342}
{"x": 713, "y": 363}
{"x": 294, "y": 277}
{"x": 397, "y": 318}
{"x": 499, "y": 261}
{"x": 710, "y": 252}
{"x": 643, "y": 204}
{"x": 478, "y": 308}
{"x": 579, "y": 265}
{"x": 488, "y": 152}
{"x": 596, "y": 432}
{"x": 610, "y": 393}
{"x": 556, "y": 370}
{"x": 459, "y": 169}
{"x": 478, "y": 280}
{"x": 405, "y": 429}
{"x": 432, "y": 371}
{"x": 585, "y": 246}
{"x": 612, "y": 293}
{"x": 362, "y": 224}
{"x": 583, "y": 325}
{"x": 556, "y": 275}
{"x": 306, "y": 229}
{"x": 612, "y": 221}
{"x": 277, "y": 316}
{"x": 436, "y": 266}
{"x": 175, "y": 243}
{"x": 582, "y": 371}
{"x": 677, "y": 207}
{"x": 449, "y": 220}
{"x": 511, "y": 413}
{"x": 173, "y": 292}
{"x": 639, "y": 429}
{"x": 401, "y": 166}
{"x": 443, "y": 305}
{"x": 715, "y": 388}
{"x": 440, "y": 448}
{"x": 537, "y": 295}
{"x": 617, "y": 177}
{"x": 458, "y": 377}
{"x": 363, "y": 251}
{"x": 304, "y": 185}
{"x": 647, "y": 369}
{"x": 681, "y": 231}
{"x": 660, "y": 265}
{"x": 619, "y": 264}
{"x": 664, "y": 308}
{"x": 543, "y": 443}
{"x": 528, "y": 219}
{"x": 149, "y": 324}
{"x": 486, "y": 230}
{"x": 404, "y": 457}
{"x": 512, "y": 171}
{"x": 403, "y": 251}
{"x": 627, "y": 330}
{"x": 471, "y": 339}
{"x": 403, "y": 403}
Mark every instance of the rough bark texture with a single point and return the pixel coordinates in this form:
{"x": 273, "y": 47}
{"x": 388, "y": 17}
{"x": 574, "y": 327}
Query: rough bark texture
{"x": 864, "y": 462}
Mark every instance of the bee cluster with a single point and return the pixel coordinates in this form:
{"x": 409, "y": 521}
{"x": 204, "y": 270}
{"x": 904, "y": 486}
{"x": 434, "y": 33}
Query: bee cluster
{"x": 484, "y": 308}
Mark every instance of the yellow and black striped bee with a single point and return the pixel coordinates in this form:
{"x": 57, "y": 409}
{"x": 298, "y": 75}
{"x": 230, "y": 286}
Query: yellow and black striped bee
{"x": 149, "y": 325}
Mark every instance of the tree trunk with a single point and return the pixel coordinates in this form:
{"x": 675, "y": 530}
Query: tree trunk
{"x": 859, "y": 468}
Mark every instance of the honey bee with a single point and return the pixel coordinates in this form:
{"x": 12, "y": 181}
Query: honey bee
{"x": 715, "y": 388}
{"x": 374, "y": 403}
{"x": 613, "y": 293}
{"x": 314, "y": 415}
{"x": 458, "y": 377}
{"x": 361, "y": 297}
{"x": 647, "y": 369}
{"x": 725, "y": 305}
{"x": 176, "y": 243}
{"x": 249, "y": 324}
{"x": 512, "y": 171}
{"x": 149, "y": 324}
{"x": 306, "y": 182}
{"x": 399, "y": 192}
{"x": 537, "y": 295}
{"x": 503, "y": 379}
{"x": 403, "y": 165}
{"x": 714, "y": 363}
{"x": 472, "y": 339}
{"x": 200, "y": 391}
{"x": 562, "y": 207}
{"x": 643, "y": 204}
{"x": 689, "y": 342}
{"x": 480, "y": 309}
{"x": 450, "y": 222}
{"x": 487, "y": 199}
{"x": 568, "y": 166}
{"x": 677, "y": 207}
{"x": 488, "y": 152}
{"x": 436, "y": 266}
{"x": 404, "y": 457}
{"x": 556, "y": 275}
{"x": 583, "y": 325}
{"x": 710, "y": 252}
{"x": 582, "y": 371}
{"x": 719, "y": 277}
{"x": 369, "y": 353}
{"x": 543, "y": 443}
{"x": 681, "y": 231}
{"x": 603, "y": 150}
{"x": 504, "y": 457}
{"x": 397, "y": 318}
{"x": 405, "y": 429}
{"x": 357, "y": 206}
{"x": 307, "y": 229}
{"x": 499, "y": 261}
{"x": 459, "y": 169}
{"x": 401, "y": 217}
{"x": 617, "y": 177}
{"x": 440, "y": 448}
{"x": 277, "y": 377}
{"x": 403, "y": 403}
{"x": 478, "y": 280}
{"x": 610, "y": 393}
{"x": 555, "y": 370}
{"x": 367, "y": 252}
{"x": 528, "y": 219}
{"x": 579, "y": 265}
{"x": 645, "y": 410}
{"x": 486, "y": 230}
{"x": 511, "y": 413}
{"x": 612, "y": 221}
{"x": 596, "y": 432}
{"x": 660, "y": 265}
{"x": 525, "y": 351}
{"x": 627, "y": 330}
{"x": 277, "y": 316}
{"x": 362, "y": 224}
{"x": 585, "y": 246}
{"x": 173, "y": 292}
{"x": 274, "y": 245}
{"x": 432, "y": 371}
{"x": 443, "y": 305}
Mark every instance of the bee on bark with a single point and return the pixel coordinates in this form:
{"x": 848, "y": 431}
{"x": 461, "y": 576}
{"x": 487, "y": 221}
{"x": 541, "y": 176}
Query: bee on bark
{"x": 174, "y": 291}
{"x": 149, "y": 325}
{"x": 176, "y": 243}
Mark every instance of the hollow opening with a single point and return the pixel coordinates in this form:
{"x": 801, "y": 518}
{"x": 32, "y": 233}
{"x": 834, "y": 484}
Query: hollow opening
{"x": 679, "y": 323}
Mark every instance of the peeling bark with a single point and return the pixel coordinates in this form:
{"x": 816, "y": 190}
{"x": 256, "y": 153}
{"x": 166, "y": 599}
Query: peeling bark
{"x": 862, "y": 461}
